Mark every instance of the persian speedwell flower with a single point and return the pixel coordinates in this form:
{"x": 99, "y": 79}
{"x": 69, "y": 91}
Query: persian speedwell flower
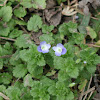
{"x": 59, "y": 49}
{"x": 84, "y": 62}
{"x": 44, "y": 47}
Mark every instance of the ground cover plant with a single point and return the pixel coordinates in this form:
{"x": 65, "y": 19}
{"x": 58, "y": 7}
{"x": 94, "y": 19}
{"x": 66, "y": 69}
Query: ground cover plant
{"x": 49, "y": 49}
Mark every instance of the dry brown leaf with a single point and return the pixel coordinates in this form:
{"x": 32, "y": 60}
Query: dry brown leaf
{"x": 68, "y": 11}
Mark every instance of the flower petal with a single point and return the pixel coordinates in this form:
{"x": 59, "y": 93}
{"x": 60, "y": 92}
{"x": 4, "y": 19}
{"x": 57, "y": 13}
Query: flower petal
{"x": 48, "y": 46}
{"x": 64, "y": 51}
{"x": 60, "y": 45}
{"x": 43, "y": 42}
{"x": 54, "y": 48}
{"x": 39, "y": 49}
{"x": 57, "y": 54}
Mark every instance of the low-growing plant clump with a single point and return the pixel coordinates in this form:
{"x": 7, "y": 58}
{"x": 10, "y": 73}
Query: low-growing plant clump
{"x": 37, "y": 63}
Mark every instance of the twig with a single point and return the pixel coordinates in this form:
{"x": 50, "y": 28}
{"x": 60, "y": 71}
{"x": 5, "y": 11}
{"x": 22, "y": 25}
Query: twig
{"x": 96, "y": 83}
{"x": 90, "y": 95}
{"x": 17, "y": 5}
{"x": 24, "y": 29}
{"x": 88, "y": 87}
{"x": 81, "y": 95}
{"x": 4, "y": 3}
{"x": 6, "y": 56}
{"x": 4, "y": 96}
{"x": 7, "y": 38}
{"x": 88, "y": 91}
{"x": 92, "y": 45}
{"x": 79, "y": 11}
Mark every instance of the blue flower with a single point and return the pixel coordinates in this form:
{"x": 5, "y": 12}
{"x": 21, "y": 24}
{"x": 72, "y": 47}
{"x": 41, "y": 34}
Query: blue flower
{"x": 43, "y": 47}
{"x": 84, "y": 62}
{"x": 59, "y": 49}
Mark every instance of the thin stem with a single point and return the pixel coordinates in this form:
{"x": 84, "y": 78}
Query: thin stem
{"x": 4, "y": 38}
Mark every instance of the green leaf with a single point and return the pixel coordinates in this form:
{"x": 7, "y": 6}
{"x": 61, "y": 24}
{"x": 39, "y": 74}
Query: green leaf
{"x": 11, "y": 24}
{"x": 47, "y": 29}
{"x": 74, "y": 72}
{"x": 91, "y": 32}
{"x": 96, "y": 24}
{"x": 7, "y": 49}
{"x": 6, "y": 13}
{"x": 2, "y": 88}
{"x": 71, "y": 25}
{"x": 26, "y": 3}
{"x": 4, "y": 30}
{"x": 15, "y": 33}
{"x": 61, "y": 88}
{"x": 47, "y": 82}
{"x": 19, "y": 71}
{"x": 51, "y": 73}
{"x": 49, "y": 59}
{"x": 35, "y": 23}
{"x": 20, "y": 12}
{"x": 20, "y": 22}
{"x": 23, "y": 41}
{"x": 70, "y": 96}
{"x": 28, "y": 80}
{"x": 78, "y": 38}
{"x": 1, "y": 63}
{"x": 60, "y": 97}
{"x": 32, "y": 56}
{"x": 63, "y": 29}
{"x": 91, "y": 68}
{"x": 15, "y": 59}
{"x": 27, "y": 95}
{"x": 13, "y": 93}
{"x": 52, "y": 90}
{"x": 5, "y": 78}
{"x": 72, "y": 84}
{"x": 82, "y": 85}
{"x": 97, "y": 59}
{"x": 58, "y": 62}
{"x": 36, "y": 71}
{"x": 41, "y": 4}
{"x": 84, "y": 24}
{"x": 62, "y": 75}
{"x": 46, "y": 37}
{"x": 39, "y": 91}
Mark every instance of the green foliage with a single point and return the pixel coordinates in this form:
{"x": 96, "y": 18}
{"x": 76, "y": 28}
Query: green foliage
{"x": 28, "y": 80}
{"x": 25, "y": 73}
{"x": 5, "y": 78}
{"x": 47, "y": 37}
{"x": 1, "y": 63}
{"x": 15, "y": 33}
{"x": 4, "y": 30}
{"x": 47, "y": 29}
{"x": 84, "y": 24}
{"x": 39, "y": 4}
{"x": 23, "y": 41}
{"x": 36, "y": 4}
{"x": 91, "y": 32}
{"x": 20, "y": 12}
{"x": 19, "y": 71}
{"x": 20, "y": 22}
{"x": 6, "y": 13}
{"x": 35, "y": 23}
{"x": 13, "y": 93}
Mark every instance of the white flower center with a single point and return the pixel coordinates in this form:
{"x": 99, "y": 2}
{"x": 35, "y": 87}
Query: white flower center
{"x": 59, "y": 49}
{"x": 44, "y": 47}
